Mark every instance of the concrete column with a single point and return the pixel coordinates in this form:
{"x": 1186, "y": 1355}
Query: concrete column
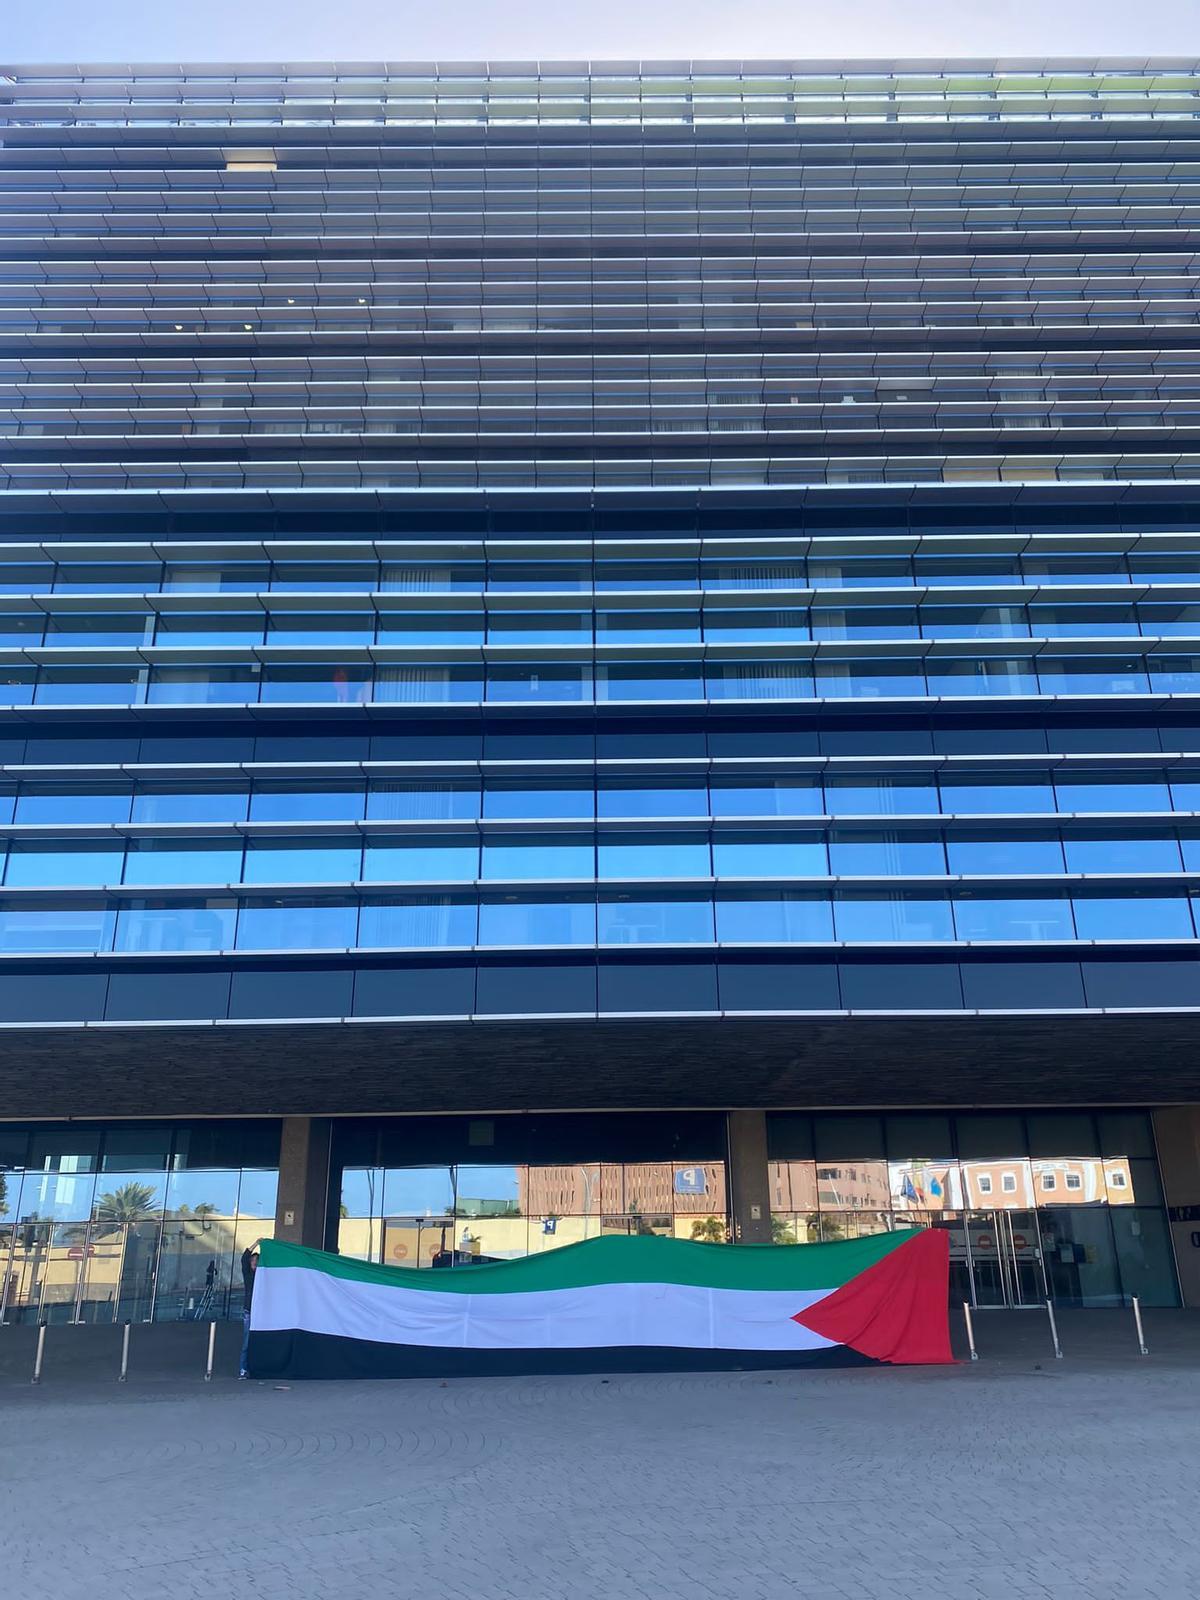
{"x": 302, "y": 1209}
{"x": 1177, "y": 1132}
{"x": 749, "y": 1188}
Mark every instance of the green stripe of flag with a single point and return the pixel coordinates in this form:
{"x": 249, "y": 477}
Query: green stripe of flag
{"x": 616, "y": 1258}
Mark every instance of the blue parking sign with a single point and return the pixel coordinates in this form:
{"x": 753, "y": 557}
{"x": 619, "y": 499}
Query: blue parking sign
{"x": 690, "y": 1180}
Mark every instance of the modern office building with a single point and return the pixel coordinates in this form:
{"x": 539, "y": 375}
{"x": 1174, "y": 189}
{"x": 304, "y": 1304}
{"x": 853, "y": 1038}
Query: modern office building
{"x": 598, "y": 646}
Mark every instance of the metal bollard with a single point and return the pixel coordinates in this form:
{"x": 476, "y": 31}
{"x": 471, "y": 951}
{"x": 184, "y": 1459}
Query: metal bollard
{"x": 124, "y": 1355}
{"x": 1058, "y": 1355}
{"x": 970, "y": 1331}
{"x": 1137, "y": 1322}
{"x": 37, "y": 1360}
{"x": 212, "y": 1345}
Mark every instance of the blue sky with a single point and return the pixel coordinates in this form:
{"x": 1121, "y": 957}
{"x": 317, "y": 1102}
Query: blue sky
{"x": 374, "y": 30}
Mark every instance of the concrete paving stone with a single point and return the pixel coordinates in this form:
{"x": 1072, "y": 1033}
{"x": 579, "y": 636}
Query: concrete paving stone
{"x": 994, "y": 1482}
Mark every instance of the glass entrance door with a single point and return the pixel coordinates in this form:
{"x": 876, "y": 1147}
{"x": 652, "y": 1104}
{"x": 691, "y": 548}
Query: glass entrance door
{"x": 1004, "y": 1251}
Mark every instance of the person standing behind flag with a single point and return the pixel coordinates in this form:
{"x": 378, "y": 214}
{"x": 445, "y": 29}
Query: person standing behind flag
{"x": 249, "y": 1268}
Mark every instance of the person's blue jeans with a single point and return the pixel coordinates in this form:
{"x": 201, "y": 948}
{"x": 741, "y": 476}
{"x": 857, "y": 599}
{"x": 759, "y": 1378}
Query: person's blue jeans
{"x": 242, "y": 1368}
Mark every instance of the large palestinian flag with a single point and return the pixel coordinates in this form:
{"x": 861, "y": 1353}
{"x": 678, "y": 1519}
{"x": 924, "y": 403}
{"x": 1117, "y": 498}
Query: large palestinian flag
{"x": 612, "y": 1304}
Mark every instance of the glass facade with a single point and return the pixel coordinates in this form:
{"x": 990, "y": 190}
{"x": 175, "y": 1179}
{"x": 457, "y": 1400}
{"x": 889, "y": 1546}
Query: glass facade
{"x": 138, "y": 1222}
{"x": 601, "y": 543}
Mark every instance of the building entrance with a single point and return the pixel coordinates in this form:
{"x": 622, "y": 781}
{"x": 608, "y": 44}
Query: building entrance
{"x": 1002, "y": 1252}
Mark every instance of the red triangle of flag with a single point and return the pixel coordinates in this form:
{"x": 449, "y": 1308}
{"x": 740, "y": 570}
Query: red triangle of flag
{"x": 895, "y": 1311}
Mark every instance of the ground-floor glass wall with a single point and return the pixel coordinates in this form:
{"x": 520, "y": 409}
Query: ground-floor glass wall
{"x": 133, "y": 1222}
{"x": 1061, "y": 1205}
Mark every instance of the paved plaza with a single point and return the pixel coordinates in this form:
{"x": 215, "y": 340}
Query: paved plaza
{"x": 1014, "y": 1478}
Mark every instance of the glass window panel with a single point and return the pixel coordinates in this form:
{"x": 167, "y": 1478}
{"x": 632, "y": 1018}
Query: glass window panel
{"x": 1079, "y": 1256}
{"x": 38, "y": 866}
{"x": 529, "y": 800}
{"x": 865, "y": 622}
{"x": 428, "y": 577}
{"x": 57, "y": 929}
{"x": 892, "y": 917}
{"x": 362, "y": 1196}
{"x": 1028, "y": 853}
{"x": 333, "y": 684}
{"x": 869, "y": 680}
{"x": 539, "y": 577}
{"x": 420, "y": 684}
{"x": 107, "y": 577}
{"x": 1144, "y": 1256}
{"x": 994, "y": 795}
{"x": 1132, "y": 1181}
{"x": 257, "y": 1193}
{"x": 769, "y": 797}
{"x": 650, "y": 680}
{"x": 421, "y": 860}
{"x": 425, "y": 922}
{"x": 286, "y": 925}
{"x": 990, "y": 1133}
{"x": 525, "y": 920}
{"x": 209, "y": 628}
{"x": 1125, "y": 1133}
{"x": 429, "y": 800}
{"x": 151, "y": 861}
{"x": 647, "y": 627}
{"x": 540, "y": 627}
{"x": 293, "y": 803}
{"x": 1098, "y": 793}
{"x": 58, "y": 1196}
{"x": 1121, "y": 853}
{"x": 1185, "y": 792}
{"x": 1175, "y": 674}
{"x": 88, "y": 686}
{"x": 773, "y": 574}
{"x": 541, "y": 680}
{"x": 769, "y": 855}
{"x": 431, "y": 627}
{"x": 760, "y": 680}
{"x": 487, "y": 1191}
{"x": 1061, "y": 1133}
{"x": 973, "y": 622}
{"x": 865, "y": 795}
{"x": 202, "y": 686}
{"x": 612, "y": 576}
{"x": 328, "y": 577}
{"x": 982, "y": 675}
{"x": 320, "y": 627}
{"x": 226, "y": 577}
{"x": 652, "y": 797}
{"x": 297, "y": 861}
{"x": 198, "y": 928}
{"x": 885, "y": 853}
{"x": 652, "y": 919}
{"x": 1082, "y": 621}
{"x": 1083, "y": 675}
{"x": 73, "y": 629}
{"x": 16, "y": 686}
{"x": 665, "y": 855}
{"x": 1133, "y": 917}
{"x": 203, "y": 1196}
{"x": 419, "y": 1191}
{"x": 35, "y": 804}
{"x": 534, "y": 857}
{"x": 1013, "y": 917}
{"x": 773, "y": 918}
{"x": 920, "y": 1135}
{"x": 189, "y": 805}
{"x": 752, "y": 625}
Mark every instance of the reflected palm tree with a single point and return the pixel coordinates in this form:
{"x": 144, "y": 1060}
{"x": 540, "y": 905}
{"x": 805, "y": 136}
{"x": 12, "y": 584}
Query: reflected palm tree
{"x": 132, "y": 1203}
{"x": 122, "y": 1211}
